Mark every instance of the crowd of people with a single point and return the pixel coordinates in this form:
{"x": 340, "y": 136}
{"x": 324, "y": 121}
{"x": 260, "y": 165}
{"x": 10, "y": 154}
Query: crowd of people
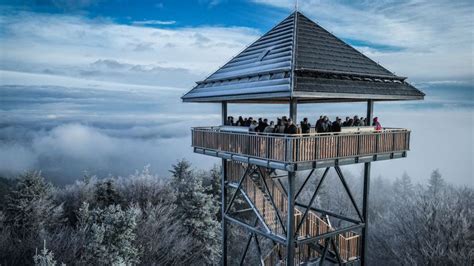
{"x": 286, "y": 125}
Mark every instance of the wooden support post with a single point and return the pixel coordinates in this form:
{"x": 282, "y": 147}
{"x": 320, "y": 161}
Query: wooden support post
{"x": 365, "y": 203}
{"x": 293, "y": 110}
{"x": 290, "y": 227}
{"x": 223, "y": 196}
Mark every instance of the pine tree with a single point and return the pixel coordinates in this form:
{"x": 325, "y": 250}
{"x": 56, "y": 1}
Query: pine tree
{"x": 106, "y": 193}
{"x": 197, "y": 211}
{"x": 435, "y": 183}
{"x": 45, "y": 258}
{"x": 30, "y": 213}
{"x": 109, "y": 235}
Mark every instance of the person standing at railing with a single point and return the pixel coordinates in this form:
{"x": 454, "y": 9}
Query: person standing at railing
{"x": 249, "y": 122}
{"x": 280, "y": 127}
{"x": 291, "y": 128}
{"x": 253, "y": 126}
{"x": 240, "y": 122}
{"x": 262, "y": 124}
{"x": 326, "y": 125}
{"x": 317, "y": 125}
{"x": 336, "y": 125}
{"x": 377, "y": 124}
{"x": 346, "y": 123}
{"x": 305, "y": 126}
{"x": 357, "y": 122}
{"x": 270, "y": 128}
{"x": 230, "y": 121}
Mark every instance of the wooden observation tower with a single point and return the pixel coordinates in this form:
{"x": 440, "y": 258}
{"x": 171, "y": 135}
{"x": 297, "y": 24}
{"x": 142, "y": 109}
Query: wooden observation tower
{"x": 297, "y": 62}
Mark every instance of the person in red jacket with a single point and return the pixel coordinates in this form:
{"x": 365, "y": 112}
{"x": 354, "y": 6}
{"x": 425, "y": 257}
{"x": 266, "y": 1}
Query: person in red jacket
{"x": 376, "y": 124}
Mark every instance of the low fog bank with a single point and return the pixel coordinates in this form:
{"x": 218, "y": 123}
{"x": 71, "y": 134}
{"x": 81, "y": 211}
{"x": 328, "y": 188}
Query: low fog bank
{"x": 65, "y": 131}
{"x": 439, "y": 140}
{"x": 66, "y": 152}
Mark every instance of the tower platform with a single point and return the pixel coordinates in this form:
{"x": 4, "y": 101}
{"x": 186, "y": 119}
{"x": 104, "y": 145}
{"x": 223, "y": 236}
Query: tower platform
{"x": 301, "y": 151}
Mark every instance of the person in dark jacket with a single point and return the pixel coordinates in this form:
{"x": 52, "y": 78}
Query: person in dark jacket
{"x": 229, "y": 121}
{"x": 350, "y": 123}
{"x": 318, "y": 124}
{"x": 249, "y": 122}
{"x": 240, "y": 122}
{"x": 291, "y": 128}
{"x": 262, "y": 125}
{"x": 357, "y": 122}
{"x": 346, "y": 123}
{"x": 336, "y": 125}
{"x": 305, "y": 126}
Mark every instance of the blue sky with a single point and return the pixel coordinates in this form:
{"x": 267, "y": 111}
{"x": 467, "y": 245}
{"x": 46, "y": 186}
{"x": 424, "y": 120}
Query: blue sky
{"x": 95, "y": 85}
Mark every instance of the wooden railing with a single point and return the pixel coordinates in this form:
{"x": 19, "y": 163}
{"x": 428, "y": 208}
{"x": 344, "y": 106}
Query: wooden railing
{"x": 302, "y": 147}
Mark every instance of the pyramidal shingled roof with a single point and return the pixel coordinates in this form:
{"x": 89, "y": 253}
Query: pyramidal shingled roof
{"x": 299, "y": 59}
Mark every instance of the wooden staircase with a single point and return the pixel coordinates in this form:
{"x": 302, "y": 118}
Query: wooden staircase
{"x": 259, "y": 192}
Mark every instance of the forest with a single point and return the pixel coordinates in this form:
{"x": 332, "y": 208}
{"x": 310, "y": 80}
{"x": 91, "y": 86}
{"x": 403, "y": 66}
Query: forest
{"x": 145, "y": 219}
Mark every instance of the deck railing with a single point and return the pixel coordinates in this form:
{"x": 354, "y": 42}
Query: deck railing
{"x": 302, "y": 147}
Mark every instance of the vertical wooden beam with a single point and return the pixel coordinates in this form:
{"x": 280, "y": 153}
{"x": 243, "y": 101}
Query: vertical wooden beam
{"x": 293, "y": 110}
{"x": 365, "y": 203}
{"x": 224, "y": 112}
{"x": 290, "y": 227}
{"x": 223, "y": 196}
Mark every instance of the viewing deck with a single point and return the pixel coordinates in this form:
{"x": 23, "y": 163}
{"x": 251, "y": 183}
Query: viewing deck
{"x": 301, "y": 151}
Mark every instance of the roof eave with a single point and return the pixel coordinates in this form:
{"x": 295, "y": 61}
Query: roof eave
{"x": 362, "y": 97}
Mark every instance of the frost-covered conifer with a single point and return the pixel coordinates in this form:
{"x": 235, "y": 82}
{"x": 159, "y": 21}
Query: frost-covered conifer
{"x": 197, "y": 211}
{"x": 109, "y": 235}
{"x": 106, "y": 193}
{"x": 44, "y": 258}
{"x": 30, "y": 206}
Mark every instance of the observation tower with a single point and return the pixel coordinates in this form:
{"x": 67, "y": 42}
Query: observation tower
{"x": 298, "y": 62}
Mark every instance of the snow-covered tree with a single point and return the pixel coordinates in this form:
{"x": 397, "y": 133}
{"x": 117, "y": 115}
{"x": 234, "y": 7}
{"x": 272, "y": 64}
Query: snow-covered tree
{"x": 197, "y": 211}
{"x": 44, "y": 258}
{"x": 164, "y": 239}
{"x": 109, "y": 234}
{"x": 30, "y": 212}
{"x": 30, "y": 206}
{"x": 106, "y": 193}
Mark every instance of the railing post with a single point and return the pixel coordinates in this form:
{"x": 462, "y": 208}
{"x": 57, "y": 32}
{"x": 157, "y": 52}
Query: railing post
{"x": 393, "y": 141}
{"x": 290, "y": 232}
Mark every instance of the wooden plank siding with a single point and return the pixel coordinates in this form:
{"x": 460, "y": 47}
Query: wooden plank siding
{"x": 302, "y": 147}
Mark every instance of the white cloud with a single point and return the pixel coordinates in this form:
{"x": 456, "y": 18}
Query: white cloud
{"x": 154, "y": 22}
{"x": 67, "y": 45}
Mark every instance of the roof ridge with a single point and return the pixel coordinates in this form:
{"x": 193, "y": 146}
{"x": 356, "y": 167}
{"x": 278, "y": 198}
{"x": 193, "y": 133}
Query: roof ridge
{"x": 293, "y": 52}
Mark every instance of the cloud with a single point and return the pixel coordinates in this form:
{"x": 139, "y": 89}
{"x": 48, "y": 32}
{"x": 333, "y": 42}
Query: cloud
{"x": 154, "y": 22}
{"x": 69, "y": 45}
{"x": 211, "y": 3}
{"x": 66, "y": 151}
{"x": 433, "y": 38}
{"x": 66, "y": 5}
